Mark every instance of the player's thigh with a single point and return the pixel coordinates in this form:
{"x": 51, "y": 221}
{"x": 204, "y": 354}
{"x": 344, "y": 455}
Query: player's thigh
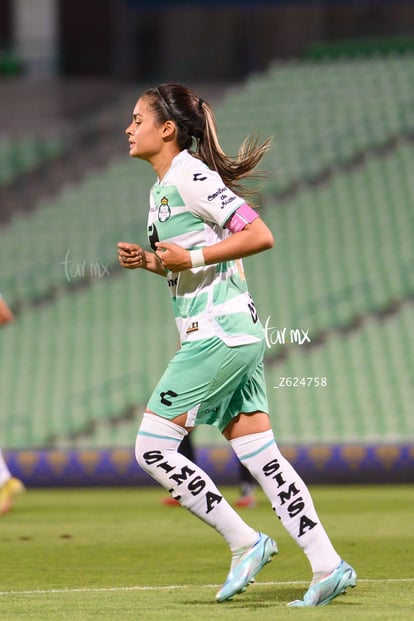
{"x": 201, "y": 379}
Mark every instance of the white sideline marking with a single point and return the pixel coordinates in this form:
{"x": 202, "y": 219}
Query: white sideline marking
{"x": 180, "y": 586}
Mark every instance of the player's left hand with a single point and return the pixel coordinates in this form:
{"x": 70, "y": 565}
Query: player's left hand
{"x": 173, "y": 257}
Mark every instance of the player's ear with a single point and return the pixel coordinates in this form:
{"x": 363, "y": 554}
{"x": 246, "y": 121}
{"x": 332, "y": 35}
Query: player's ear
{"x": 168, "y": 129}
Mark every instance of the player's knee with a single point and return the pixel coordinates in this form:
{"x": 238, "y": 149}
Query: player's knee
{"x": 153, "y": 432}
{"x": 148, "y": 454}
{"x": 141, "y": 451}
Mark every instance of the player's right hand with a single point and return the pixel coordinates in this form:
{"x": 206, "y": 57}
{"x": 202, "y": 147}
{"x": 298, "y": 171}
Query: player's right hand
{"x": 131, "y": 256}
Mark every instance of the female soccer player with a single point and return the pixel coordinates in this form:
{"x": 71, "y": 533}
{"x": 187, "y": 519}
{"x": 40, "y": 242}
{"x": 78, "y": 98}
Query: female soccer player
{"x": 200, "y": 227}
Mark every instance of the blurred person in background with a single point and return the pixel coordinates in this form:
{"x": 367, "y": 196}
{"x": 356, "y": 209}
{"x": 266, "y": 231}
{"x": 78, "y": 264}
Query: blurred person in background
{"x": 10, "y": 487}
{"x": 6, "y": 313}
{"x": 200, "y": 226}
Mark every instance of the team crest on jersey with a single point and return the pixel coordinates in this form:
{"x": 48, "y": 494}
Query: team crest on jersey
{"x": 164, "y": 211}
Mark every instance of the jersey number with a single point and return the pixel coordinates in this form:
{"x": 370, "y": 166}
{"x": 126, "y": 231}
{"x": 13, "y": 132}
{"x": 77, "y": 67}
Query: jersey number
{"x": 253, "y": 311}
{"x": 153, "y": 236}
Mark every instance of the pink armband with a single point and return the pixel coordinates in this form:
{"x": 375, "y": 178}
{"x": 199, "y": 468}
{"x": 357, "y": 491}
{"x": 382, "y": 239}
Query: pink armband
{"x": 242, "y": 216}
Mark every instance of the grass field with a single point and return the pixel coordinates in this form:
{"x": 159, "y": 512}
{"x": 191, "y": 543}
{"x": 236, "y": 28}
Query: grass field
{"x": 119, "y": 555}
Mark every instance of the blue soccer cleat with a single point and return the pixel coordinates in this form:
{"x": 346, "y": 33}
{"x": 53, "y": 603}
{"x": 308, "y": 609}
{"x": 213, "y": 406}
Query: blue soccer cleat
{"x": 324, "y": 591}
{"x": 246, "y": 565}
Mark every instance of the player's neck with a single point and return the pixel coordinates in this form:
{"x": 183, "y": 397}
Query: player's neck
{"x": 161, "y": 163}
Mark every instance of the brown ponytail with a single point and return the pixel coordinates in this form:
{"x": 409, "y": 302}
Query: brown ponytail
{"x": 197, "y": 129}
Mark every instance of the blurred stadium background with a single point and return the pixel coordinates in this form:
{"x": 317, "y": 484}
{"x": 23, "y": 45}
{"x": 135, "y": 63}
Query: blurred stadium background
{"x": 333, "y": 82}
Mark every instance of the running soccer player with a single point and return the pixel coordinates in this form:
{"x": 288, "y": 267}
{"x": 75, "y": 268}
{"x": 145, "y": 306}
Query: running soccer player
{"x": 200, "y": 227}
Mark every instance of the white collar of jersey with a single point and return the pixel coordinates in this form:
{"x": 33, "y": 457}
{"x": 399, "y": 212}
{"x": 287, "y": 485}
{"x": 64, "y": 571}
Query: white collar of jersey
{"x": 176, "y": 161}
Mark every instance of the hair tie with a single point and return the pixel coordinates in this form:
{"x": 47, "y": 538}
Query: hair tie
{"x": 200, "y": 103}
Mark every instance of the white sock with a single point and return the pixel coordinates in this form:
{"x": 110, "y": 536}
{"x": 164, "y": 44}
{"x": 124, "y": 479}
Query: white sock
{"x": 156, "y": 452}
{"x": 289, "y": 496}
{"x": 4, "y": 471}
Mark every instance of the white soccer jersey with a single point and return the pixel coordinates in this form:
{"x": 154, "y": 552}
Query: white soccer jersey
{"x": 190, "y": 207}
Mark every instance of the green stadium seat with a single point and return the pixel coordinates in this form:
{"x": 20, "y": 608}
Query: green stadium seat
{"x": 97, "y": 345}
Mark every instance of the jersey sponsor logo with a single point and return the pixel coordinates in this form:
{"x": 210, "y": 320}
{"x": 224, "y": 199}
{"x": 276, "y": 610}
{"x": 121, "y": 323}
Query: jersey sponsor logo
{"x": 225, "y": 201}
{"x": 199, "y": 177}
{"x": 224, "y": 197}
{"x": 214, "y": 195}
{"x": 164, "y": 211}
{"x": 291, "y": 496}
{"x": 183, "y": 479}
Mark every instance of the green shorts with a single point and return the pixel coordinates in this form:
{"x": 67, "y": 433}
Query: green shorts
{"x": 212, "y": 383}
